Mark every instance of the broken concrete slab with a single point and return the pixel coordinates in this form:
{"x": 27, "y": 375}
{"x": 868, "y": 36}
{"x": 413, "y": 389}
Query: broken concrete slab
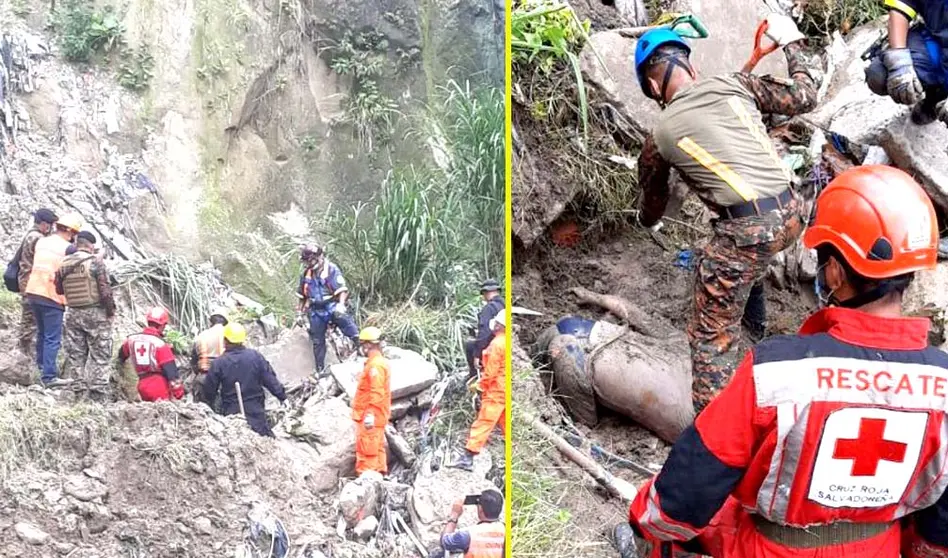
{"x": 291, "y": 356}
{"x": 410, "y": 373}
{"x": 433, "y": 495}
{"x": 923, "y": 152}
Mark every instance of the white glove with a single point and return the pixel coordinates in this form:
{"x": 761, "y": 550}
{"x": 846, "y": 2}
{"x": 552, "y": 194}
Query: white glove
{"x": 340, "y": 307}
{"x": 782, "y": 30}
{"x": 369, "y": 421}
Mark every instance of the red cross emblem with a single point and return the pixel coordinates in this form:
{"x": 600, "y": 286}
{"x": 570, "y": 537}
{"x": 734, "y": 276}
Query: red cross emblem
{"x": 141, "y": 350}
{"x": 869, "y": 448}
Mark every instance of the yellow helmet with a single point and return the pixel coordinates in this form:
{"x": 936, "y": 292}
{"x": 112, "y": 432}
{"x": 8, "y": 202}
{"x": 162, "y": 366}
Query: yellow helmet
{"x": 235, "y": 333}
{"x": 71, "y": 221}
{"x": 370, "y": 334}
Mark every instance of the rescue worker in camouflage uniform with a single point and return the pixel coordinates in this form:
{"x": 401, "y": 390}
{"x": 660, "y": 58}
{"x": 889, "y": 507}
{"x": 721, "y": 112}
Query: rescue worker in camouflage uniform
{"x": 43, "y": 221}
{"x": 90, "y": 307}
{"x": 711, "y": 130}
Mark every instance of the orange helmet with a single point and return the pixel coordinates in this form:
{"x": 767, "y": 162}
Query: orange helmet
{"x": 879, "y": 219}
{"x": 158, "y": 316}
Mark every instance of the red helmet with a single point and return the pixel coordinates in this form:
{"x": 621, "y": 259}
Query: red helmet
{"x": 879, "y": 219}
{"x": 157, "y": 316}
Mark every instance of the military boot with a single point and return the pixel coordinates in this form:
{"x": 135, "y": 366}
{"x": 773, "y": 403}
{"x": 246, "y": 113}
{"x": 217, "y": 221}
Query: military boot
{"x": 624, "y": 540}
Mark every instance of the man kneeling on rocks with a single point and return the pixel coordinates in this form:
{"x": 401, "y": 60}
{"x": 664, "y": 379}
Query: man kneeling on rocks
{"x": 484, "y": 540}
{"x": 246, "y": 370}
{"x": 153, "y": 359}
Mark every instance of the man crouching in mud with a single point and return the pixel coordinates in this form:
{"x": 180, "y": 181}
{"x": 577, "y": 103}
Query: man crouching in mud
{"x": 829, "y": 443}
{"x": 712, "y": 131}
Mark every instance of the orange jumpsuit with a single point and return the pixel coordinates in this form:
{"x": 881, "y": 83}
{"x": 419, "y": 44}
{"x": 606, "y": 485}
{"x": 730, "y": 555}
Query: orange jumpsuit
{"x": 493, "y": 394}
{"x": 373, "y": 395}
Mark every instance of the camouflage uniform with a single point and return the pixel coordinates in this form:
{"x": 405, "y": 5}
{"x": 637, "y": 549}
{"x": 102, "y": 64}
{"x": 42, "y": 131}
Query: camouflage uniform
{"x": 726, "y": 157}
{"x": 27, "y": 319}
{"x": 88, "y": 325}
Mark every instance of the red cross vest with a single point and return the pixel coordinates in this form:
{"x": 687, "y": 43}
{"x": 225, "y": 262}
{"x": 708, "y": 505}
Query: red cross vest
{"x": 859, "y": 432}
{"x": 487, "y": 540}
{"x": 143, "y": 349}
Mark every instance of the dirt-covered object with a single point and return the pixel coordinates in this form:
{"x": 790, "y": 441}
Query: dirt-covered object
{"x": 641, "y": 370}
{"x": 326, "y": 425}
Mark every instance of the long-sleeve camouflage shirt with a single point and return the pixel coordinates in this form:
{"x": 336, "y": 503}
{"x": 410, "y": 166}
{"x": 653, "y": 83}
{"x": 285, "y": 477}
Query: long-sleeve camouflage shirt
{"x": 755, "y": 166}
{"x": 27, "y": 251}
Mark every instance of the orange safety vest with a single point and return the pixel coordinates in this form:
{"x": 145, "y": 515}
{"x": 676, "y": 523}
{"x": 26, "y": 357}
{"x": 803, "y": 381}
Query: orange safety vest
{"x": 210, "y": 345}
{"x": 49, "y": 254}
{"x": 374, "y": 390}
{"x": 487, "y": 540}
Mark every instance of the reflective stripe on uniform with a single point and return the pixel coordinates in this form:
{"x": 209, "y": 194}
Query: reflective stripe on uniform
{"x": 724, "y": 172}
{"x": 902, "y": 7}
{"x": 759, "y": 135}
{"x": 210, "y": 345}
{"x": 487, "y": 540}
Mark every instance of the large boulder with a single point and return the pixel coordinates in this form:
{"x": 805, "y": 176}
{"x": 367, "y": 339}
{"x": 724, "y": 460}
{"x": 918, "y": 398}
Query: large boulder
{"x": 291, "y": 356}
{"x": 433, "y": 495}
{"x": 731, "y": 26}
{"x": 921, "y": 150}
{"x": 410, "y": 373}
{"x": 327, "y": 426}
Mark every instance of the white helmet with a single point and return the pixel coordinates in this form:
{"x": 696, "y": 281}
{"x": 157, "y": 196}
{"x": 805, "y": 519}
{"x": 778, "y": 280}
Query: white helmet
{"x": 500, "y": 320}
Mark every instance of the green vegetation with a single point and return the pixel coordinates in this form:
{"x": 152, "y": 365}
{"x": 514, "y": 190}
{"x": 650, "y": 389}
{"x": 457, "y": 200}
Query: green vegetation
{"x": 89, "y": 34}
{"x": 362, "y": 57}
{"x": 435, "y": 230}
{"x": 822, "y": 17}
{"x": 544, "y": 34}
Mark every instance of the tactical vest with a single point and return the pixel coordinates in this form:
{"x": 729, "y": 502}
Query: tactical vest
{"x": 79, "y": 286}
{"x": 487, "y": 540}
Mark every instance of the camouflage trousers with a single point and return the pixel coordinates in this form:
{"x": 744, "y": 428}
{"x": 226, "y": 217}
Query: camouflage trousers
{"x": 87, "y": 344}
{"x": 27, "y": 329}
{"x": 736, "y": 258}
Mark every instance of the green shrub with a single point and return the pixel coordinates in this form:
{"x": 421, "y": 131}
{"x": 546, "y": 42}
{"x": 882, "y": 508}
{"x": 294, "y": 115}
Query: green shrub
{"x": 84, "y": 31}
{"x": 136, "y": 69}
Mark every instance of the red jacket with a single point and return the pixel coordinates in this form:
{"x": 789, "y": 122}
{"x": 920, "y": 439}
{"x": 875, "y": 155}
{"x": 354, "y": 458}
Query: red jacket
{"x": 154, "y": 363}
{"x": 843, "y": 422}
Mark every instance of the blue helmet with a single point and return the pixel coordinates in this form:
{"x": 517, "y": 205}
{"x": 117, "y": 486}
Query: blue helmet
{"x": 646, "y": 47}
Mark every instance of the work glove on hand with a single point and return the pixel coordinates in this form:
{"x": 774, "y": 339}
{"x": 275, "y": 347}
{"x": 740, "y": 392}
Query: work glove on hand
{"x": 902, "y": 84}
{"x": 782, "y": 30}
{"x": 369, "y": 421}
{"x": 177, "y": 390}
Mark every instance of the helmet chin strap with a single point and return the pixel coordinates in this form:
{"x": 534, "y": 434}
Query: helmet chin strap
{"x": 669, "y": 69}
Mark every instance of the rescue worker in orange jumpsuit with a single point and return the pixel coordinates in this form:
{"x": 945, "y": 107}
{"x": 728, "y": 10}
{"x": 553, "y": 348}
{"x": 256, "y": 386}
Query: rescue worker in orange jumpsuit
{"x": 151, "y": 355}
{"x": 208, "y": 345}
{"x": 372, "y": 404}
{"x": 831, "y": 442}
{"x": 493, "y": 387}
{"x": 484, "y": 540}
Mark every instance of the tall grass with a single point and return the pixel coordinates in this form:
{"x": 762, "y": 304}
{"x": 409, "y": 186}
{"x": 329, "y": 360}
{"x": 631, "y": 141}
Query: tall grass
{"x": 416, "y": 253}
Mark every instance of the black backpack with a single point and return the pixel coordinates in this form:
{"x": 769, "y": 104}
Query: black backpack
{"x": 10, "y": 276}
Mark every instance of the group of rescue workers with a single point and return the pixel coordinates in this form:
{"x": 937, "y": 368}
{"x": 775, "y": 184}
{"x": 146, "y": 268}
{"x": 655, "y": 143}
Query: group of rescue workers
{"x": 833, "y": 441}
{"x": 66, "y": 292}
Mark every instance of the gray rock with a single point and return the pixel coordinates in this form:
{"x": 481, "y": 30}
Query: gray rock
{"x": 327, "y": 427}
{"x": 923, "y": 152}
{"x": 433, "y": 495}
{"x": 31, "y": 534}
{"x": 366, "y": 528}
{"x": 410, "y": 373}
{"x": 84, "y": 488}
{"x": 203, "y": 525}
{"x": 360, "y": 498}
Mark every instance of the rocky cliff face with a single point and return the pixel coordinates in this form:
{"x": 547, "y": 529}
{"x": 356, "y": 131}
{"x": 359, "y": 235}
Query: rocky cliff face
{"x": 203, "y": 116}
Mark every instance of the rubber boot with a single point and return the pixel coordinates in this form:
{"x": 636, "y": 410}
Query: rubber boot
{"x": 464, "y": 461}
{"x": 755, "y": 313}
{"x": 624, "y": 540}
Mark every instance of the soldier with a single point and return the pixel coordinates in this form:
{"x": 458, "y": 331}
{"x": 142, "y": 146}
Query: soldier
{"x": 84, "y": 281}
{"x": 712, "y": 131}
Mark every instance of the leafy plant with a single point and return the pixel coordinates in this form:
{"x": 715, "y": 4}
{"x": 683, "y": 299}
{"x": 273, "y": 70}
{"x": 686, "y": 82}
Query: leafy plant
{"x": 137, "y": 68}
{"x": 309, "y": 144}
{"x": 823, "y": 17}
{"x": 83, "y": 31}
{"x": 546, "y": 32}
{"x": 363, "y": 57}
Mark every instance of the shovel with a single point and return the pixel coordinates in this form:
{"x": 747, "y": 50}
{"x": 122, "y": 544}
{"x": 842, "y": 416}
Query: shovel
{"x": 760, "y": 50}
{"x": 687, "y": 26}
